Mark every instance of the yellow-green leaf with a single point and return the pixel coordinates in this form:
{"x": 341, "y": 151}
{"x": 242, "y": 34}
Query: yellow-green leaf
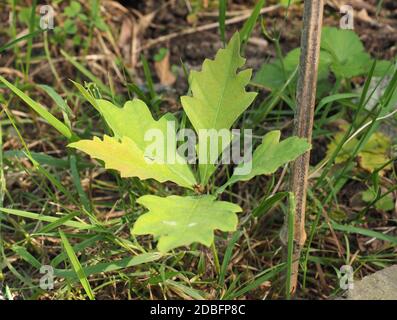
{"x": 180, "y": 221}
{"x": 218, "y": 94}
{"x": 373, "y": 154}
{"x": 270, "y": 155}
{"x": 127, "y": 151}
{"x": 385, "y": 203}
{"x": 133, "y": 120}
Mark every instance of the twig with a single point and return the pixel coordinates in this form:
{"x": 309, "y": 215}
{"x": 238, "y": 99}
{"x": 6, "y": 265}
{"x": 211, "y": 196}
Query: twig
{"x": 280, "y": 181}
{"x": 202, "y": 28}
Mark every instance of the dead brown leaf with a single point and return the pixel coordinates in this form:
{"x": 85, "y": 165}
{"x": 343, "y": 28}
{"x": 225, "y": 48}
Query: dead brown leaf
{"x": 163, "y": 71}
{"x": 124, "y": 41}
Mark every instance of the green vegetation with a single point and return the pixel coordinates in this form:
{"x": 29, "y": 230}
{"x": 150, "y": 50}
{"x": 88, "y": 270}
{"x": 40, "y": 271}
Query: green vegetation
{"x": 121, "y": 226}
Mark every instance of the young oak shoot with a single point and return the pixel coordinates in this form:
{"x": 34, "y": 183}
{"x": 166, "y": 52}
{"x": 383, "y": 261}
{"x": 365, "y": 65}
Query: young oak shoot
{"x": 218, "y": 99}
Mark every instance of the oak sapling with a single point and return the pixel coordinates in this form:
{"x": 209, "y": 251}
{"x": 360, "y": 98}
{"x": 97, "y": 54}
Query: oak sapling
{"x": 218, "y": 99}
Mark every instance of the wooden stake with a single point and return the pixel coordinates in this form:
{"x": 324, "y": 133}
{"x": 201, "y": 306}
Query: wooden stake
{"x": 303, "y": 121}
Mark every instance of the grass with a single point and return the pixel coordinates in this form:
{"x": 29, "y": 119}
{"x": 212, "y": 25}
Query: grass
{"x": 58, "y": 208}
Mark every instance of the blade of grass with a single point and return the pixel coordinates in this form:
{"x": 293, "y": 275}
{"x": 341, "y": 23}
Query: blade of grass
{"x": 221, "y": 19}
{"x": 52, "y": 178}
{"x": 78, "y": 269}
{"x": 364, "y": 232}
{"x": 154, "y": 103}
{"x": 60, "y": 102}
{"x": 249, "y": 25}
{"x": 379, "y": 7}
{"x": 138, "y": 92}
{"x": 76, "y": 248}
{"x": 13, "y": 27}
{"x": 40, "y": 217}
{"x": 112, "y": 266}
{"x": 190, "y": 292}
{"x": 216, "y": 258}
{"x": 77, "y": 183}
{"x": 43, "y": 159}
{"x": 268, "y": 203}
{"x": 148, "y": 77}
{"x": 312, "y": 234}
{"x": 339, "y": 147}
{"x": 256, "y": 282}
{"x": 266, "y": 107}
{"x": 61, "y": 221}
{"x": 228, "y": 256}
{"x": 335, "y": 97}
{"x": 43, "y": 112}
{"x": 25, "y": 280}
{"x": 290, "y": 247}
{"x": 51, "y": 64}
{"x": 32, "y": 26}
{"x": 25, "y": 255}
{"x": 17, "y": 40}
{"x": 3, "y": 187}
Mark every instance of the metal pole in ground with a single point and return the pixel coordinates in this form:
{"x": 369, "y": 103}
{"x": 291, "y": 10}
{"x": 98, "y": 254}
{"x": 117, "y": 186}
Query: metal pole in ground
{"x": 303, "y": 121}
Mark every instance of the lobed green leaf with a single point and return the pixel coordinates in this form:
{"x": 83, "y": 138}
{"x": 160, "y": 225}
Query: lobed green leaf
{"x": 180, "y": 221}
